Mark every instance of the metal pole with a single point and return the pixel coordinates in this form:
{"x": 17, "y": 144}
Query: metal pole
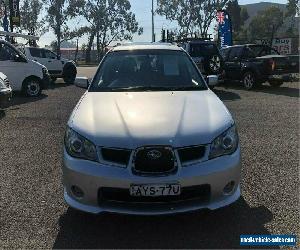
{"x": 153, "y": 37}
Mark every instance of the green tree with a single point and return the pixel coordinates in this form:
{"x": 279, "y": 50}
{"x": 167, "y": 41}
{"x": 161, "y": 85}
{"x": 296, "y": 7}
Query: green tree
{"x": 292, "y": 8}
{"x": 238, "y": 15}
{"x": 108, "y": 21}
{"x": 30, "y": 21}
{"x": 59, "y": 12}
{"x": 193, "y": 16}
{"x": 265, "y": 24}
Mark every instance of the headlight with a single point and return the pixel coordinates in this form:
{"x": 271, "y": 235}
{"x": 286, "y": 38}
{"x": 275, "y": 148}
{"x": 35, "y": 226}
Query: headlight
{"x": 78, "y": 146}
{"x": 224, "y": 144}
{"x": 2, "y": 85}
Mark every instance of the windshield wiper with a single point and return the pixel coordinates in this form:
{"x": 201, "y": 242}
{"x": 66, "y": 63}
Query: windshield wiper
{"x": 137, "y": 88}
{"x": 153, "y": 88}
{"x": 186, "y": 88}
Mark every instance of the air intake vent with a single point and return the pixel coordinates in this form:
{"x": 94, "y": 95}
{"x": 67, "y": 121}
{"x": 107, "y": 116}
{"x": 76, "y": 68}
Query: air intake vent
{"x": 115, "y": 155}
{"x": 192, "y": 153}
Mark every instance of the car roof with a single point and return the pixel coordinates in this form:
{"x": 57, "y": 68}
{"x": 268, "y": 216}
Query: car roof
{"x": 243, "y": 45}
{"x": 147, "y": 46}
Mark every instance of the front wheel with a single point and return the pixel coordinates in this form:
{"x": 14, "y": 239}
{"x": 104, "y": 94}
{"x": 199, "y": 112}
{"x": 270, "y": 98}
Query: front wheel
{"x": 69, "y": 73}
{"x": 32, "y": 87}
{"x": 249, "y": 80}
{"x": 69, "y": 79}
{"x": 275, "y": 83}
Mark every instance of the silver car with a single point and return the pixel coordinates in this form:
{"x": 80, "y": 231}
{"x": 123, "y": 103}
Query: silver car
{"x": 149, "y": 137}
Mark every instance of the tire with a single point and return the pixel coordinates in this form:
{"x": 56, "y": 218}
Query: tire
{"x": 215, "y": 64}
{"x": 249, "y": 80}
{"x": 69, "y": 79}
{"x": 32, "y": 87}
{"x": 69, "y": 73}
{"x": 275, "y": 83}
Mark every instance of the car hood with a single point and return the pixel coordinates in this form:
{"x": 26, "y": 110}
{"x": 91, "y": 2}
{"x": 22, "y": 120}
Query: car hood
{"x": 35, "y": 64}
{"x": 134, "y": 119}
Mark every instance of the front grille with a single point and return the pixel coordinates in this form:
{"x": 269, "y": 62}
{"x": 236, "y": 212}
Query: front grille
{"x": 115, "y": 155}
{"x": 154, "y": 160}
{"x": 199, "y": 193}
{"x": 192, "y": 153}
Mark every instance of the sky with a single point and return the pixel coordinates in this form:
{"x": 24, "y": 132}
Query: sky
{"x": 142, "y": 10}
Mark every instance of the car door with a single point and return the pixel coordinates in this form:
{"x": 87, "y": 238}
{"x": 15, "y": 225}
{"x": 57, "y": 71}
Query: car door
{"x": 54, "y": 65}
{"x": 233, "y": 63}
{"x": 13, "y": 65}
{"x": 38, "y": 56}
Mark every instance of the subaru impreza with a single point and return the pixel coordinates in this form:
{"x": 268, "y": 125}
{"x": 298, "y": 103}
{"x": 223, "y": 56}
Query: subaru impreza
{"x": 149, "y": 137}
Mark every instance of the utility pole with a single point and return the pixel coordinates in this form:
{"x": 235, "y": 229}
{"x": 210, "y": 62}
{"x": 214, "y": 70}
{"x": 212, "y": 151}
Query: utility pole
{"x": 152, "y": 12}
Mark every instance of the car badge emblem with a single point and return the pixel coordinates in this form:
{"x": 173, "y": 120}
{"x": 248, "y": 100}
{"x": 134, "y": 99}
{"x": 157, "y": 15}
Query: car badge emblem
{"x": 154, "y": 154}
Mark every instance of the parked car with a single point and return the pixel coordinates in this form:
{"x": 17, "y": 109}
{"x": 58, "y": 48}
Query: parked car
{"x": 150, "y": 137}
{"x": 206, "y": 55}
{"x": 254, "y": 64}
{"x": 5, "y": 91}
{"x": 24, "y": 74}
{"x": 57, "y": 67}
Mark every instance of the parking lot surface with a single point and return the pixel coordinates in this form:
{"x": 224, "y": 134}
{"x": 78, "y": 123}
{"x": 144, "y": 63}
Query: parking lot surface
{"x": 34, "y": 215}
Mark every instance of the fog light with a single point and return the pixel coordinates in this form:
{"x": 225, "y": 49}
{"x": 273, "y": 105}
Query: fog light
{"x": 229, "y": 187}
{"x": 77, "y": 191}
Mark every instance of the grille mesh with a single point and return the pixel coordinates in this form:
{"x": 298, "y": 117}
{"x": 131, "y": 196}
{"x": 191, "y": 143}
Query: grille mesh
{"x": 191, "y": 153}
{"x": 145, "y": 161}
{"x": 119, "y": 156}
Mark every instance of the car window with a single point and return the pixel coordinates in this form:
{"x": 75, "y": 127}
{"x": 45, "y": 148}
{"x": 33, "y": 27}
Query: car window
{"x": 203, "y": 50}
{"x": 7, "y": 53}
{"x": 235, "y": 52}
{"x": 36, "y": 52}
{"x": 257, "y": 50}
{"x": 49, "y": 54}
{"x": 147, "y": 68}
{"x": 225, "y": 52}
{"x": 248, "y": 53}
{"x": 268, "y": 51}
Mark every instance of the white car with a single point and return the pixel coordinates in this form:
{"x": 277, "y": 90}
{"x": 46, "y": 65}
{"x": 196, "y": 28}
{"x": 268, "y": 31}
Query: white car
{"x": 24, "y": 74}
{"x": 150, "y": 137}
{"x": 5, "y": 91}
{"x": 57, "y": 67}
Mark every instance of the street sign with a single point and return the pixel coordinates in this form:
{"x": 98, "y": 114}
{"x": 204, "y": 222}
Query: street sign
{"x": 14, "y": 13}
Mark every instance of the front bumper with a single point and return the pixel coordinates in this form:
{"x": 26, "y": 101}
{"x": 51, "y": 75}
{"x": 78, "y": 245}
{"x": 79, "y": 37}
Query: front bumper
{"x": 46, "y": 79}
{"x": 91, "y": 176}
{"x": 5, "y": 97}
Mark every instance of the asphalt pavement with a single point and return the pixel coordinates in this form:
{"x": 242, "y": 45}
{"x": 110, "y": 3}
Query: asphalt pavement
{"x": 33, "y": 213}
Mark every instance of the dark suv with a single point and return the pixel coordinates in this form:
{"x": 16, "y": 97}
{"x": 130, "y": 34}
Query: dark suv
{"x": 254, "y": 64}
{"x": 206, "y": 55}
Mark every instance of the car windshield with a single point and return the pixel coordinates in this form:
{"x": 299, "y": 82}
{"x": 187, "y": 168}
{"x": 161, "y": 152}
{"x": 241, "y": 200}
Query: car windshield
{"x": 203, "y": 50}
{"x": 147, "y": 70}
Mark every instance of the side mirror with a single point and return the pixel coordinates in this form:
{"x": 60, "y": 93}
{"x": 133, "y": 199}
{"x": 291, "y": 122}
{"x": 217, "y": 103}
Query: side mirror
{"x": 58, "y": 57}
{"x": 18, "y": 58}
{"x": 212, "y": 80}
{"x": 82, "y": 82}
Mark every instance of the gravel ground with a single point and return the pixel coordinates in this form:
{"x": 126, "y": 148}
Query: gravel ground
{"x": 33, "y": 213}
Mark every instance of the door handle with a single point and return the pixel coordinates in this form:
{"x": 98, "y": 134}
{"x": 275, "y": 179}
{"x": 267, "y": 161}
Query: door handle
{"x": 35, "y": 60}
{"x": 50, "y": 61}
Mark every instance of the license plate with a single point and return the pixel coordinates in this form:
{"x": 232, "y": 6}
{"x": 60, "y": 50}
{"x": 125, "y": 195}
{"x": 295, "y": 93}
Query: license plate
{"x": 155, "y": 190}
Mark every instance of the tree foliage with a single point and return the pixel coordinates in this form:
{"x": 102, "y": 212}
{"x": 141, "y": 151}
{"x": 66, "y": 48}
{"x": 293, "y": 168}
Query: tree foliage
{"x": 30, "y": 21}
{"x": 292, "y": 8}
{"x": 59, "y": 12}
{"x": 266, "y": 23}
{"x": 193, "y": 16}
{"x": 108, "y": 21}
{"x": 238, "y": 15}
